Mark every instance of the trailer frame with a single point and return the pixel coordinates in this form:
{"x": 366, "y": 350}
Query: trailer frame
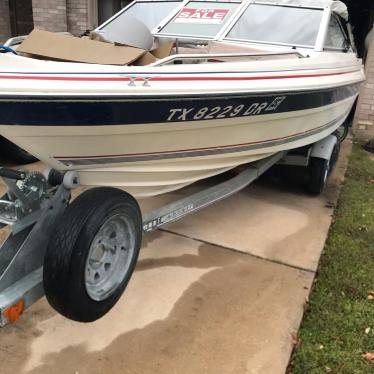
{"x": 33, "y": 210}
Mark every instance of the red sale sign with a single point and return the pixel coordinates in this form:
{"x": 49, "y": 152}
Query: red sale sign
{"x": 195, "y": 15}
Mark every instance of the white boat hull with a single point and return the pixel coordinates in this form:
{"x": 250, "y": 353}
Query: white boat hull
{"x": 190, "y": 151}
{"x": 175, "y": 124}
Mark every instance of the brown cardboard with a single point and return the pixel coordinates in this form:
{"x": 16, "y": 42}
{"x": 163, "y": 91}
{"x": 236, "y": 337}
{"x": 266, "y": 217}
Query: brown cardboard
{"x": 158, "y": 53}
{"x": 163, "y": 50}
{"x": 98, "y": 37}
{"x": 144, "y": 60}
{"x": 69, "y": 48}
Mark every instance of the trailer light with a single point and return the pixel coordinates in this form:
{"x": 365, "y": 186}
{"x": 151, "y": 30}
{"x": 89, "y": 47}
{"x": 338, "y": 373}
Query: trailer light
{"x": 14, "y": 311}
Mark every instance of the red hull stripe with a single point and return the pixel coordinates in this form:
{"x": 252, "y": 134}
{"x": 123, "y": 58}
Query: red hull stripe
{"x": 166, "y": 79}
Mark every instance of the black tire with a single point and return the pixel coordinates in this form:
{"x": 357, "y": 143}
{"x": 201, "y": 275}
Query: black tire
{"x": 318, "y": 171}
{"x": 335, "y": 154}
{"x": 67, "y": 252}
{"x": 14, "y": 153}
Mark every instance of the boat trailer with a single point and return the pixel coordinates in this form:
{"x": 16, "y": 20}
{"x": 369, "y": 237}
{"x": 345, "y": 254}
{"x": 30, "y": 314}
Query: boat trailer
{"x": 81, "y": 254}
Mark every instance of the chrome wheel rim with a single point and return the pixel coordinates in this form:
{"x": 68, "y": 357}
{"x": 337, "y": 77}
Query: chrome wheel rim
{"x": 109, "y": 257}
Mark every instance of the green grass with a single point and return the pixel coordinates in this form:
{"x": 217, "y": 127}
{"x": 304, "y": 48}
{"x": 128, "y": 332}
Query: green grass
{"x": 332, "y": 336}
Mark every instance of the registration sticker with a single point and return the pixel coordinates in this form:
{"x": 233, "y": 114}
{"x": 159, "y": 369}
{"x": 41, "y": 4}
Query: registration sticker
{"x": 196, "y": 15}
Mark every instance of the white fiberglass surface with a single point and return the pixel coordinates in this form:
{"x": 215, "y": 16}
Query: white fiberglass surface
{"x": 278, "y": 24}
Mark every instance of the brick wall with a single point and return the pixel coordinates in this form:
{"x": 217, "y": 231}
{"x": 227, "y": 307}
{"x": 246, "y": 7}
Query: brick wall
{"x": 61, "y": 15}
{"x": 4, "y": 21}
{"x": 50, "y": 15}
{"x": 77, "y": 16}
{"x": 364, "y": 125}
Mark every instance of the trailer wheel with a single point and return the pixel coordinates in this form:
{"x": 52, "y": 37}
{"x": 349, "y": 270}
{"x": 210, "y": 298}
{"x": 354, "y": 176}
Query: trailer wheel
{"x": 318, "y": 172}
{"x": 335, "y": 153}
{"x": 320, "y": 168}
{"x": 92, "y": 254}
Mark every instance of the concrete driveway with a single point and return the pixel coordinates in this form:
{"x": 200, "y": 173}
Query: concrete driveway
{"x": 221, "y": 291}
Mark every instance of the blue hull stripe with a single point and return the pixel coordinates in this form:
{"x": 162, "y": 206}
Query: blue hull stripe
{"x": 114, "y": 110}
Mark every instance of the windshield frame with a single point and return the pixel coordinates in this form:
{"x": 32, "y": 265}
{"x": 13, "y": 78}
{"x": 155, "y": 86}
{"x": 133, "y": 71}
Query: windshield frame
{"x": 234, "y": 18}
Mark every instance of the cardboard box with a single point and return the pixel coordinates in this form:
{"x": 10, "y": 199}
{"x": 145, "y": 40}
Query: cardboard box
{"x": 54, "y": 46}
{"x": 145, "y": 60}
{"x": 152, "y": 56}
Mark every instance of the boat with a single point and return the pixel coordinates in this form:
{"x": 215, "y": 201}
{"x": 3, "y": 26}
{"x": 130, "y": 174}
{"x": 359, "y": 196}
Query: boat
{"x": 194, "y": 89}
{"x": 243, "y": 80}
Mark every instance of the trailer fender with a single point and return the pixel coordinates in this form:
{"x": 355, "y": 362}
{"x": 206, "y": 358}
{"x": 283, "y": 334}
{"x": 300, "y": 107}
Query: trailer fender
{"x": 324, "y": 147}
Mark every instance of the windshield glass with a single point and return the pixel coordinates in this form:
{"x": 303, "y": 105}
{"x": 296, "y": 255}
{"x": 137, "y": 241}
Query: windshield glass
{"x": 335, "y": 38}
{"x": 202, "y": 19}
{"x": 151, "y": 13}
{"x": 278, "y": 25}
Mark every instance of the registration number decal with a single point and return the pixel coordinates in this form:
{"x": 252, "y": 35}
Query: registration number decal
{"x": 220, "y": 112}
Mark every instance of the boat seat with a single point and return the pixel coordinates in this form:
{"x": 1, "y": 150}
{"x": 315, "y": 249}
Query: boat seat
{"x": 224, "y": 47}
{"x": 189, "y": 51}
{"x": 215, "y": 47}
{"x": 228, "y": 47}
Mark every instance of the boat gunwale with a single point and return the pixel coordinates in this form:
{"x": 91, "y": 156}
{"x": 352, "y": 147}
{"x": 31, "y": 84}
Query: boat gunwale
{"x": 60, "y": 97}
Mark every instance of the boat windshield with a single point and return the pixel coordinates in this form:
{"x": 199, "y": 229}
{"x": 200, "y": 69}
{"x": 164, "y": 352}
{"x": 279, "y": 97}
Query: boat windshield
{"x": 200, "y": 19}
{"x": 151, "y": 13}
{"x": 235, "y": 20}
{"x": 263, "y": 23}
